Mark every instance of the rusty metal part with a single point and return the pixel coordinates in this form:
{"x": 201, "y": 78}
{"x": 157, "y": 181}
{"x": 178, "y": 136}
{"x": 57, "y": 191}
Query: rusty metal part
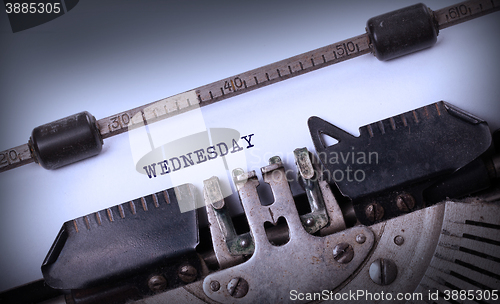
{"x": 343, "y": 252}
{"x": 423, "y": 231}
{"x": 308, "y": 179}
{"x": 336, "y": 222}
{"x": 405, "y": 202}
{"x": 214, "y": 285}
{"x": 360, "y": 238}
{"x": 399, "y": 240}
{"x": 264, "y": 270}
{"x": 420, "y": 230}
{"x": 157, "y": 283}
{"x": 374, "y": 212}
{"x": 187, "y": 273}
{"x": 237, "y": 287}
{"x": 221, "y": 227}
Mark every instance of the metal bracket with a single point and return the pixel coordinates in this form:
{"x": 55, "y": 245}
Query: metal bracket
{"x": 229, "y": 247}
{"x": 271, "y": 273}
{"x": 308, "y": 179}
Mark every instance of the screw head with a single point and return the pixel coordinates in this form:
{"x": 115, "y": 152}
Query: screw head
{"x": 399, "y": 240}
{"x": 383, "y": 271}
{"x": 187, "y": 273}
{"x": 237, "y": 287}
{"x": 360, "y": 238}
{"x": 310, "y": 222}
{"x": 157, "y": 283}
{"x": 343, "y": 253}
{"x": 405, "y": 202}
{"x": 244, "y": 243}
{"x": 374, "y": 212}
{"x": 214, "y": 285}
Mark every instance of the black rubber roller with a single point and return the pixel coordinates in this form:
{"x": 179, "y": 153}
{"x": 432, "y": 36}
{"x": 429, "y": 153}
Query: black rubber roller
{"x": 66, "y": 141}
{"x": 403, "y": 31}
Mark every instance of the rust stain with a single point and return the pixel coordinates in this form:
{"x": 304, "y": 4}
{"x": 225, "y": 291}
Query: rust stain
{"x": 98, "y": 218}
{"x": 110, "y": 214}
{"x": 86, "y": 219}
{"x": 132, "y": 207}
{"x": 426, "y": 112}
{"x": 393, "y": 123}
{"x": 437, "y": 108}
{"x": 144, "y": 205}
{"x": 403, "y": 118}
{"x": 370, "y": 131}
{"x": 120, "y": 210}
{"x": 415, "y": 116}
{"x": 155, "y": 200}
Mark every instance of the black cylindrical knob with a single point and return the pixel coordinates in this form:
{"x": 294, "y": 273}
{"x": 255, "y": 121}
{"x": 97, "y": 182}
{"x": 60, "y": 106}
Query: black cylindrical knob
{"x": 403, "y": 31}
{"x": 66, "y": 141}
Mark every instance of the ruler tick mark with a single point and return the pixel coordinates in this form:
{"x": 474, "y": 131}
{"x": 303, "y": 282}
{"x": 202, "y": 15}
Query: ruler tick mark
{"x": 211, "y": 96}
{"x": 279, "y": 74}
{"x": 76, "y": 226}
{"x": 256, "y": 81}
{"x": 324, "y": 59}
{"x": 290, "y": 69}
{"x": 267, "y": 76}
{"x": 312, "y": 62}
